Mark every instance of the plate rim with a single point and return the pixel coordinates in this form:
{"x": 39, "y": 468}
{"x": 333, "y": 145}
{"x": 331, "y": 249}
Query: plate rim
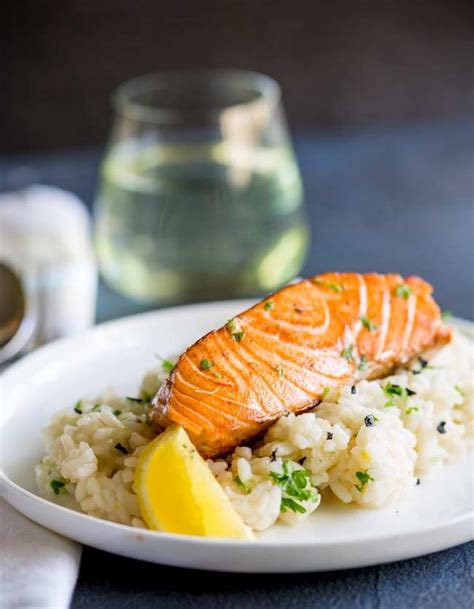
{"x": 223, "y": 541}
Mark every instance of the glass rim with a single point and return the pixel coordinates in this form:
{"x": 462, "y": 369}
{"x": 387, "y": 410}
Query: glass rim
{"x": 265, "y": 87}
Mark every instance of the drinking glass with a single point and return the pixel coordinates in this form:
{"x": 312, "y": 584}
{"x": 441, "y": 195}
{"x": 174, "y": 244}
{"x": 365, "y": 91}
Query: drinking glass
{"x": 200, "y": 195}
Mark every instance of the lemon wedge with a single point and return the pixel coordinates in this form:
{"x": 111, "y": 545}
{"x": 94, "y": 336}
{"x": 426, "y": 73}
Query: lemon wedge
{"x": 178, "y": 493}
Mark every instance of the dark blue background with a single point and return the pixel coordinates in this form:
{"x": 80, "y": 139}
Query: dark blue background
{"x": 398, "y": 201}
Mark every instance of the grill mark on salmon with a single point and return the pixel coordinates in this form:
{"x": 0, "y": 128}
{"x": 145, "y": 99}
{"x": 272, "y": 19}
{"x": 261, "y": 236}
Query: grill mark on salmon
{"x": 279, "y": 356}
{"x": 213, "y": 401}
{"x": 206, "y": 408}
{"x": 259, "y": 377}
{"x": 311, "y": 338}
{"x": 362, "y": 305}
{"x": 285, "y": 325}
{"x": 254, "y": 380}
{"x": 283, "y": 348}
{"x": 412, "y": 304}
{"x": 264, "y": 357}
{"x": 186, "y": 389}
{"x": 271, "y": 375}
{"x": 386, "y": 312}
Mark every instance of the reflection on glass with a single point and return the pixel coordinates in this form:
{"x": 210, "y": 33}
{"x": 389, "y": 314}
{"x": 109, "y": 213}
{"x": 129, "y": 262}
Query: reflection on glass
{"x": 200, "y": 194}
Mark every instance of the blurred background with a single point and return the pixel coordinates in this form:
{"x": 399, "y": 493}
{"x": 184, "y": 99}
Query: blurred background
{"x": 341, "y": 64}
{"x": 379, "y": 97}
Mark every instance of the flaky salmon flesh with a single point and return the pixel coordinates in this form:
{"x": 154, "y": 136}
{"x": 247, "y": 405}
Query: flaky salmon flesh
{"x": 281, "y": 355}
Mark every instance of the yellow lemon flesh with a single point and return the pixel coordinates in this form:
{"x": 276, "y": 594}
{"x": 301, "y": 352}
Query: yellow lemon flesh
{"x": 178, "y": 493}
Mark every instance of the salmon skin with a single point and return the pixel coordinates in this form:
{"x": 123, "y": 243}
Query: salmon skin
{"x": 280, "y": 355}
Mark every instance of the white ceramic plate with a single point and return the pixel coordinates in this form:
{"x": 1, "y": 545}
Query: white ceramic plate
{"x": 437, "y": 515}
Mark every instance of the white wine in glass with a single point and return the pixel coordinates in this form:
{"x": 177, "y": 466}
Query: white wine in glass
{"x": 200, "y": 195}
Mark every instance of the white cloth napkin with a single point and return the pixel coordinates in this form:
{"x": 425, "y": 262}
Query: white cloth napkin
{"x": 38, "y": 569}
{"x": 45, "y": 237}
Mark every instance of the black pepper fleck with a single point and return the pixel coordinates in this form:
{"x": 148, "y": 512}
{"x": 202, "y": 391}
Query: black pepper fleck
{"x": 369, "y": 420}
{"x": 410, "y": 392}
{"x": 121, "y": 448}
{"x": 441, "y": 427}
{"x": 302, "y": 460}
{"x": 418, "y": 482}
{"x": 353, "y": 389}
{"x": 423, "y": 364}
{"x": 329, "y": 435}
{"x": 274, "y": 455}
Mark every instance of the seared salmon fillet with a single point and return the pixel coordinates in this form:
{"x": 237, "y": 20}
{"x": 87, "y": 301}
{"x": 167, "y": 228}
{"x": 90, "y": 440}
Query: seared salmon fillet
{"x": 280, "y": 356}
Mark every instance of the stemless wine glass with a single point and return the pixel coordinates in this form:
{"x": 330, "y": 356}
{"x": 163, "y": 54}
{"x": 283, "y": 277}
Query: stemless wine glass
{"x": 200, "y": 194}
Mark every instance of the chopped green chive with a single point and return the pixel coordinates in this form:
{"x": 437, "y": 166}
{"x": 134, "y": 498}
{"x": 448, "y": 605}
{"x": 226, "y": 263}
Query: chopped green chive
{"x": 326, "y": 390}
{"x": 391, "y": 390}
{"x": 57, "y": 485}
{"x": 96, "y": 407}
{"x": 235, "y": 330}
{"x": 395, "y": 390}
{"x": 364, "y": 478}
{"x": 291, "y": 504}
{"x": 233, "y": 326}
{"x": 206, "y": 364}
{"x": 412, "y": 409}
{"x": 403, "y": 291}
{"x": 137, "y": 400}
{"x": 166, "y": 364}
{"x": 445, "y": 315}
{"x": 243, "y": 487}
{"x": 295, "y": 484}
{"x": 218, "y": 375}
{"x": 269, "y": 305}
{"x": 78, "y": 407}
{"x": 335, "y": 287}
{"x": 116, "y": 412}
{"x": 370, "y": 326}
{"x": 461, "y": 392}
{"x": 362, "y": 362}
{"x": 346, "y": 353}
{"x": 279, "y": 370}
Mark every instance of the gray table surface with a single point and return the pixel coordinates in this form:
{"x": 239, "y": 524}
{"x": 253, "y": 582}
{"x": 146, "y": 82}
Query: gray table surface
{"x": 390, "y": 200}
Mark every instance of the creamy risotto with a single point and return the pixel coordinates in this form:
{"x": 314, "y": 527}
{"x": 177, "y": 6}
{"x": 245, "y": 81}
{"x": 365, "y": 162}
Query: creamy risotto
{"x": 367, "y": 444}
